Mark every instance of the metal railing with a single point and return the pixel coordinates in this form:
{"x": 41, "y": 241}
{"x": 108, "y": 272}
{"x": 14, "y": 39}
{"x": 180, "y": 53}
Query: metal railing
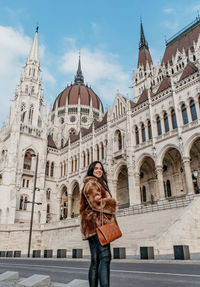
{"x": 161, "y": 205}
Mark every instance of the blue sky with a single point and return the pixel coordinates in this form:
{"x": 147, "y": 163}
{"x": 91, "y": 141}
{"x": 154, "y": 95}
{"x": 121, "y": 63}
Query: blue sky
{"x": 106, "y": 32}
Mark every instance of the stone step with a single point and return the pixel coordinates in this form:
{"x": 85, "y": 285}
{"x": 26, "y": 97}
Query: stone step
{"x": 35, "y": 280}
{"x": 9, "y": 275}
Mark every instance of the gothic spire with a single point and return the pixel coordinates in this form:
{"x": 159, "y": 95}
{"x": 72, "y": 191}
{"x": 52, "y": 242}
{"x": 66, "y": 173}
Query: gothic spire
{"x": 79, "y": 75}
{"x": 143, "y": 42}
{"x": 33, "y": 55}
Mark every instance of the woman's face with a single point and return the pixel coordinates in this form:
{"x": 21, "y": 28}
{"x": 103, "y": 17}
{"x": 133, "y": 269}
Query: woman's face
{"x": 98, "y": 170}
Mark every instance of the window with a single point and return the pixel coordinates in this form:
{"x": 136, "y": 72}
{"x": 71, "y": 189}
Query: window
{"x": 23, "y": 182}
{"x": 119, "y": 140}
{"x": 143, "y": 194}
{"x": 48, "y": 208}
{"x": 168, "y": 186}
{"x": 137, "y": 139}
{"x": 193, "y": 110}
{"x": 84, "y": 159}
{"x": 52, "y": 169}
{"x": 72, "y": 166}
{"x": 64, "y": 168}
{"x": 149, "y": 130}
{"x": 102, "y": 151}
{"x": 159, "y": 129}
{"x": 47, "y": 168}
{"x": 21, "y": 202}
{"x": 143, "y": 133}
{"x": 184, "y": 114}
{"x": 30, "y": 117}
{"x": 62, "y": 143}
{"x": 27, "y": 160}
{"x": 61, "y": 169}
{"x": 173, "y": 116}
{"x": 27, "y": 183}
{"x": 48, "y": 194}
{"x": 88, "y": 157}
{"x": 166, "y": 122}
{"x": 97, "y": 152}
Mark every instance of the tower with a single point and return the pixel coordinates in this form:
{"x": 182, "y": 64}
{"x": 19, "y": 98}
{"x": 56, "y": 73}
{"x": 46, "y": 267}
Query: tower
{"x": 23, "y": 136}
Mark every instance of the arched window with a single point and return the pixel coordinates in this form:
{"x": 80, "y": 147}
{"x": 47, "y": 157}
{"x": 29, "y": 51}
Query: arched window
{"x": 61, "y": 169}
{"x": 88, "y": 157}
{"x": 72, "y": 132}
{"x": 102, "y": 151}
{"x": 184, "y": 114}
{"x": 21, "y": 202}
{"x": 91, "y": 154}
{"x": 64, "y": 168}
{"x": 72, "y": 165}
{"x": 137, "y": 139}
{"x": 119, "y": 139}
{"x": 62, "y": 143}
{"x": 48, "y": 208}
{"x": 193, "y": 110}
{"x": 84, "y": 159}
{"x": 25, "y": 202}
{"x": 168, "y": 185}
{"x": 159, "y": 129}
{"x": 97, "y": 152}
{"x": 76, "y": 164}
{"x": 52, "y": 169}
{"x": 149, "y": 130}
{"x": 173, "y": 116}
{"x": 30, "y": 117}
{"x": 48, "y": 194}
{"x": 143, "y": 133}
{"x": 47, "y": 168}
{"x": 27, "y": 160}
{"x": 166, "y": 122}
{"x": 199, "y": 102}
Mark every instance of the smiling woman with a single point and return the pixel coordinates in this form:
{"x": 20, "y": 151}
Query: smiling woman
{"x": 97, "y": 207}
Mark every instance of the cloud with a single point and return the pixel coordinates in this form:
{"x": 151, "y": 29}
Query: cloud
{"x": 100, "y": 69}
{"x": 172, "y": 25}
{"x": 14, "y": 49}
{"x": 14, "y": 46}
{"x": 168, "y": 10}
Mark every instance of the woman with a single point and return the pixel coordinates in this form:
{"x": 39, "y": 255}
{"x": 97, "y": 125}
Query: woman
{"x": 95, "y": 196}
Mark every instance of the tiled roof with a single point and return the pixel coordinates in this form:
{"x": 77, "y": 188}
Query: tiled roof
{"x": 143, "y": 98}
{"x": 144, "y": 57}
{"x": 165, "y": 84}
{"x": 74, "y": 138}
{"x": 85, "y": 131}
{"x": 183, "y": 41}
{"x": 51, "y": 142}
{"x": 100, "y": 124}
{"x": 189, "y": 70}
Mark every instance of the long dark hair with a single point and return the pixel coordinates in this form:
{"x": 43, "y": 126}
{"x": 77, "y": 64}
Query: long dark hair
{"x": 103, "y": 180}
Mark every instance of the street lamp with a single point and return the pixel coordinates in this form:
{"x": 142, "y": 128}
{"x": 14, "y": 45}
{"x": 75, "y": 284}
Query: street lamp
{"x": 33, "y": 202}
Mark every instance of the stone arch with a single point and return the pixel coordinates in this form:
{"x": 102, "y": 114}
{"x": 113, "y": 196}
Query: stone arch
{"x": 148, "y": 181}
{"x": 118, "y": 168}
{"x": 173, "y": 173}
{"x": 63, "y": 202}
{"x": 163, "y": 152}
{"x": 75, "y": 199}
{"x": 195, "y": 164}
{"x": 189, "y": 143}
{"x": 140, "y": 161}
{"x": 122, "y": 191}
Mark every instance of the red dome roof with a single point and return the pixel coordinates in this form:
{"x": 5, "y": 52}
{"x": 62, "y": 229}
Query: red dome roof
{"x": 71, "y": 94}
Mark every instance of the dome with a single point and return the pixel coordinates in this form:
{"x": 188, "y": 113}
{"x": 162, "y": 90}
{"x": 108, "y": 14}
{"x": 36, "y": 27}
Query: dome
{"x": 78, "y": 91}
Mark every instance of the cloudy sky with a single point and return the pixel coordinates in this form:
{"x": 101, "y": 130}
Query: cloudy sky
{"x": 107, "y": 33}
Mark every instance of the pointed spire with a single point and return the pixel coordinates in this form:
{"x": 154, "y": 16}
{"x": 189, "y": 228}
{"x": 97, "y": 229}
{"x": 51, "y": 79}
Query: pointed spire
{"x": 79, "y": 75}
{"x": 33, "y": 55}
{"x": 143, "y": 42}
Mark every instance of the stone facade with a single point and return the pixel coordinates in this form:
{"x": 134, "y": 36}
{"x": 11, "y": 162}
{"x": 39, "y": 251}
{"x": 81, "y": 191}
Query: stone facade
{"x": 150, "y": 147}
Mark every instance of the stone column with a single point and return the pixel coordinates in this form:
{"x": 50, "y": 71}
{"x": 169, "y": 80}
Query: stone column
{"x": 136, "y": 192}
{"x": 114, "y": 190}
{"x": 189, "y": 113}
{"x": 197, "y": 105}
{"x": 69, "y": 213}
{"x": 170, "y": 121}
{"x": 188, "y": 176}
{"x": 160, "y": 185}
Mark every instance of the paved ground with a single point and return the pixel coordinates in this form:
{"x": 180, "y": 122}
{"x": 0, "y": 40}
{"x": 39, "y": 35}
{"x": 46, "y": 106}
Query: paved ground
{"x": 124, "y": 273}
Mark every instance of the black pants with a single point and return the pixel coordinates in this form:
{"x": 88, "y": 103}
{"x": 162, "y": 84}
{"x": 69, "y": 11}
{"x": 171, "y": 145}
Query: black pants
{"x": 100, "y": 263}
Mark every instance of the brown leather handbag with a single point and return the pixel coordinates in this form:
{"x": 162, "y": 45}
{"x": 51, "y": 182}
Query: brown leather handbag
{"x": 108, "y": 232}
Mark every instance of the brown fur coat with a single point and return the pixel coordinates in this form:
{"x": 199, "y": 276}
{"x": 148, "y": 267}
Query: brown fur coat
{"x": 93, "y": 198}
